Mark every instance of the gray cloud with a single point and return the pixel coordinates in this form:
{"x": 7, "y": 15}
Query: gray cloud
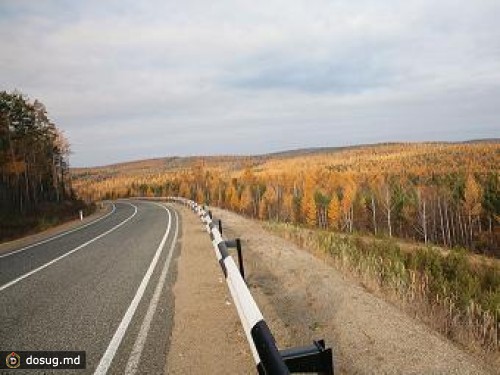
{"x": 129, "y": 79}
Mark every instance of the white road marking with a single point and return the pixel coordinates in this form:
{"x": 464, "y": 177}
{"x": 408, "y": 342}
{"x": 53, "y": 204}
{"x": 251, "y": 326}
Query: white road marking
{"x": 108, "y": 356}
{"x": 59, "y": 235}
{"x": 135, "y": 355}
{"x": 15, "y": 281}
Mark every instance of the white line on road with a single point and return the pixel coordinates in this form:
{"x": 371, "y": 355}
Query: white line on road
{"x": 135, "y": 355}
{"x": 108, "y": 356}
{"x": 15, "y": 281}
{"x": 59, "y": 235}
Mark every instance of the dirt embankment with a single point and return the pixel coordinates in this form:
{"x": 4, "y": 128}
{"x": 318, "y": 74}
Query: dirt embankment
{"x": 303, "y": 298}
{"x": 207, "y": 337}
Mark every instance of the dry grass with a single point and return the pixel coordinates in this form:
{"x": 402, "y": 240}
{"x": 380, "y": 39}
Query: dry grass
{"x": 457, "y": 299}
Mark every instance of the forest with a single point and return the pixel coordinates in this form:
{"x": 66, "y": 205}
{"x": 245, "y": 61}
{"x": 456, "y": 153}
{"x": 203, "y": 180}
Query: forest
{"x": 434, "y": 193}
{"x": 35, "y": 184}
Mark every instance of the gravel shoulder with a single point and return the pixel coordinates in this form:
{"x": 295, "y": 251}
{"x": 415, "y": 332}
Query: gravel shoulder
{"x": 303, "y": 298}
{"x": 207, "y": 337}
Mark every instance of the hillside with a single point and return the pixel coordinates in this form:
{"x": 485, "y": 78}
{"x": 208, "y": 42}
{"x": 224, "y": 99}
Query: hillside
{"x": 172, "y": 163}
{"x": 442, "y": 193}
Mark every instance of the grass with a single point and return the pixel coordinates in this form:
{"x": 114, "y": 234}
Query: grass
{"x": 454, "y": 295}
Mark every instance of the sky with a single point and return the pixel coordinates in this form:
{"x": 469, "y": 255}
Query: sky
{"x": 128, "y": 80}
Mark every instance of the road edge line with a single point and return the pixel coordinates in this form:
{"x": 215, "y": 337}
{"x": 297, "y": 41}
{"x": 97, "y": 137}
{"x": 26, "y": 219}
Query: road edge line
{"x": 136, "y": 353}
{"x": 16, "y": 280}
{"x": 109, "y": 354}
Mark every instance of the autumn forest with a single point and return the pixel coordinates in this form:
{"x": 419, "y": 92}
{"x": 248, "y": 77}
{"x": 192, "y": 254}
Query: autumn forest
{"x": 35, "y": 184}
{"x": 434, "y": 193}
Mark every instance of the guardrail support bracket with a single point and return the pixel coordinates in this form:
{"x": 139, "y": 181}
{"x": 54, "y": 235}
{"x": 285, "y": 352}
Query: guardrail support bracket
{"x": 314, "y": 358}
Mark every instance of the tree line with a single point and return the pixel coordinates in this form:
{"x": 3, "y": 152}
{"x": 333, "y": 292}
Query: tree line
{"x": 452, "y": 210}
{"x": 34, "y": 168}
{"x": 446, "y": 195}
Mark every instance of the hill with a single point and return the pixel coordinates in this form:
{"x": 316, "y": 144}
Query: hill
{"x": 166, "y": 164}
{"x": 444, "y": 193}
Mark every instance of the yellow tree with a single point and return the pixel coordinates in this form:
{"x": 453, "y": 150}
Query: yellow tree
{"x": 308, "y": 202}
{"x": 268, "y": 204}
{"x": 184, "y": 190}
{"x": 200, "y": 197}
{"x": 248, "y": 177}
{"x": 246, "y": 201}
{"x": 233, "y": 198}
{"x": 229, "y": 191}
{"x": 288, "y": 206}
{"x": 215, "y": 188}
{"x": 263, "y": 209}
{"x": 297, "y": 213}
{"x": 198, "y": 172}
{"x": 310, "y": 210}
{"x": 349, "y": 194}
{"x": 334, "y": 212}
{"x": 472, "y": 201}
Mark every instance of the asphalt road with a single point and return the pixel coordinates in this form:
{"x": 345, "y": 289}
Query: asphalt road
{"x": 104, "y": 289}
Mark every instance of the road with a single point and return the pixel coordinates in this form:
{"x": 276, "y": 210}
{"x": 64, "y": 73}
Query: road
{"x": 104, "y": 288}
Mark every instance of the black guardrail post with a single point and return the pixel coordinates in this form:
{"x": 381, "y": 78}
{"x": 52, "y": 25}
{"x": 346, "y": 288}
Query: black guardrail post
{"x": 240, "y": 258}
{"x": 236, "y": 243}
{"x": 220, "y": 226}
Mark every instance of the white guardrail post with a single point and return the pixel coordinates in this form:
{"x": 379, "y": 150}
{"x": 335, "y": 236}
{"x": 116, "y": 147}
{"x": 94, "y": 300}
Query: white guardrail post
{"x": 268, "y": 359}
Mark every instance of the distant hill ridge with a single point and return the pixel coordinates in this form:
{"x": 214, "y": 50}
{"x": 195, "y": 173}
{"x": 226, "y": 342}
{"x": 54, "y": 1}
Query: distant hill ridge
{"x": 185, "y": 161}
{"x": 320, "y": 150}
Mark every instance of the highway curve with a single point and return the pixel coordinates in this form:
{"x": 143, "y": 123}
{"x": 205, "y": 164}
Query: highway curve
{"x": 104, "y": 289}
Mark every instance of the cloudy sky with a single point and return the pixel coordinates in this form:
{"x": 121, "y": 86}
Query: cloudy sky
{"x": 135, "y": 79}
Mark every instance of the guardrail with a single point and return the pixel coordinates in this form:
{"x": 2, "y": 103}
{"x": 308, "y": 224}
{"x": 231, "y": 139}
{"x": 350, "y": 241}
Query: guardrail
{"x": 268, "y": 359}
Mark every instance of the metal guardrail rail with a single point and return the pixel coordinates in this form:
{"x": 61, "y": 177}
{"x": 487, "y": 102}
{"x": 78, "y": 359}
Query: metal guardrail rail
{"x": 268, "y": 359}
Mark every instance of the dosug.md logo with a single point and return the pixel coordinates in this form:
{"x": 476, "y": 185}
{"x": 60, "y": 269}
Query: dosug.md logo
{"x": 13, "y": 360}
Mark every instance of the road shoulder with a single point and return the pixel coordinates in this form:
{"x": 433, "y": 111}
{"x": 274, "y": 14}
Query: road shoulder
{"x": 8, "y": 246}
{"x": 207, "y": 337}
